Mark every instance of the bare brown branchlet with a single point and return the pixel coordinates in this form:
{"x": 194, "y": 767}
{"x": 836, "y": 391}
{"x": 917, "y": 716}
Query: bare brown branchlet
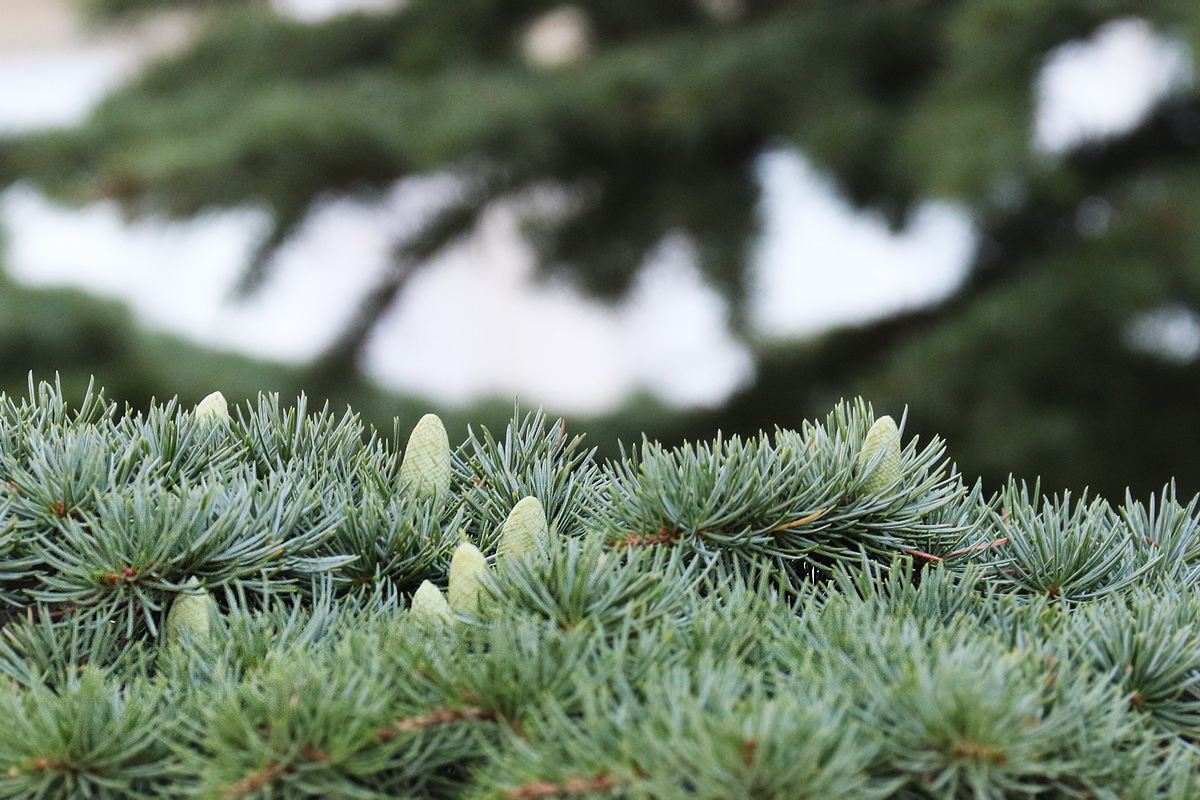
{"x": 662, "y": 536}
{"x": 439, "y": 716}
{"x": 571, "y": 787}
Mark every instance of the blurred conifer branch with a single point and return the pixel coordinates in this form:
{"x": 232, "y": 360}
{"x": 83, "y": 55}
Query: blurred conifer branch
{"x": 249, "y": 603}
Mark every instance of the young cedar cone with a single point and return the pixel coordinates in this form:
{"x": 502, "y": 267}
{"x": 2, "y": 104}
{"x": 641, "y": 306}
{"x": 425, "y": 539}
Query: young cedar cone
{"x": 426, "y": 466}
{"x": 428, "y": 603}
{"x": 525, "y": 531}
{"x": 190, "y": 616}
{"x": 212, "y": 408}
{"x": 883, "y": 439}
{"x": 467, "y": 567}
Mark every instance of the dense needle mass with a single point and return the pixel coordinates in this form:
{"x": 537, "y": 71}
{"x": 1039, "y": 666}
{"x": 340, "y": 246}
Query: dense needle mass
{"x": 205, "y": 610}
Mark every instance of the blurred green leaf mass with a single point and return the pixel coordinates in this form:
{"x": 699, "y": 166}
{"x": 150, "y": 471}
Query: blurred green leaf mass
{"x": 655, "y": 130}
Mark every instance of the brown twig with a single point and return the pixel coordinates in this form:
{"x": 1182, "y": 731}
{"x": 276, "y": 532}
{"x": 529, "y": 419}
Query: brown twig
{"x": 663, "y": 536}
{"x": 256, "y": 780}
{"x": 52, "y": 764}
{"x": 439, "y": 716}
{"x": 976, "y": 751}
{"x": 127, "y": 575}
{"x": 922, "y": 554}
{"x": 801, "y": 521}
{"x": 59, "y": 509}
{"x": 272, "y": 772}
{"x": 538, "y": 790}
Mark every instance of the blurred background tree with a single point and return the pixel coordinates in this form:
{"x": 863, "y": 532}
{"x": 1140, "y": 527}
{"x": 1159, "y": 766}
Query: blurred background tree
{"x": 78, "y": 338}
{"x": 647, "y": 121}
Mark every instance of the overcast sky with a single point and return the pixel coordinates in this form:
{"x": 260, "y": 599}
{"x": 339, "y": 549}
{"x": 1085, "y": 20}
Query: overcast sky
{"x": 473, "y": 323}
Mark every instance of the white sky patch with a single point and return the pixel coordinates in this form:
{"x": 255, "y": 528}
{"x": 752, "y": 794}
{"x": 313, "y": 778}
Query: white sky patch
{"x": 823, "y": 264}
{"x": 560, "y": 36}
{"x": 1172, "y": 333}
{"x": 1105, "y": 85}
{"x": 471, "y": 323}
{"x": 180, "y": 276}
{"x": 676, "y": 332}
{"x": 317, "y": 10}
{"x": 474, "y": 323}
{"x": 170, "y": 275}
{"x": 45, "y": 88}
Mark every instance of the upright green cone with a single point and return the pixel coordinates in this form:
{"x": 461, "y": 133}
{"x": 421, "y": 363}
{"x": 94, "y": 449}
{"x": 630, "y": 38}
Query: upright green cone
{"x": 525, "y": 531}
{"x": 190, "y": 616}
{"x": 426, "y": 467}
{"x": 883, "y": 439}
{"x": 467, "y": 567}
{"x": 429, "y": 604}
{"x": 212, "y": 408}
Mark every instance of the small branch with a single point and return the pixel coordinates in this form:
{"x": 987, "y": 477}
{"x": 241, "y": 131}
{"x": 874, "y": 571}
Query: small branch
{"x": 984, "y": 546}
{"x": 663, "y": 536}
{"x": 313, "y": 754}
{"x": 976, "y": 751}
{"x": 339, "y": 362}
{"x": 57, "y": 613}
{"x": 273, "y": 771}
{"x": 571, "y": 787}
{"x": 256, "y": 780}
{"x": 439, "y": 716}
{"x": 922, "y": 554}
{"x": 287, "y": 221}
{"x": 801, "y": 521}
{"x": 60, "y": 509}
{"x": 47, "y": 764}
{"x": 127, "y": 575}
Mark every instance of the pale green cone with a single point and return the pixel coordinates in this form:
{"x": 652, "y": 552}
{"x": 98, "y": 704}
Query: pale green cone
{"x": 428, "y": 603}
{"x": 467, "y": 568}
{"x": 212, "y": 408}
{"x": 882, "y": 438}
{"x": 525, "y": 531}
{"x": 426, "y": 466}
{"x": 190, "y": 616}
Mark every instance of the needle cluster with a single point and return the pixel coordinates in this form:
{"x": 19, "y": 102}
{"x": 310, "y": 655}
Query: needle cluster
{"x": 250, "y": 603}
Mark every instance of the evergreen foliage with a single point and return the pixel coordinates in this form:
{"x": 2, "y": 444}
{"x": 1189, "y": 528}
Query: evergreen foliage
{"x": 656, "y": 130}
{"x": 742, "y": 618}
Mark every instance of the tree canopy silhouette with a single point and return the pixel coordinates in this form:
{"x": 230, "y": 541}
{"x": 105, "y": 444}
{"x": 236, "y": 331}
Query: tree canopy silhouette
{"x": 652, "y": 127}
